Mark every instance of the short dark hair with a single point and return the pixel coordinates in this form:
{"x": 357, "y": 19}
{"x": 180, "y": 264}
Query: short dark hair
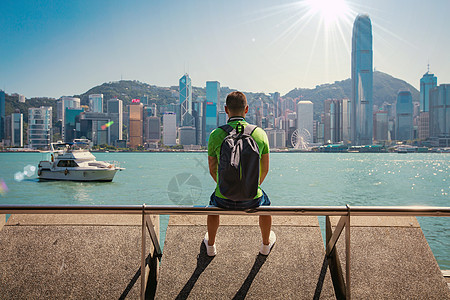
{"x": 236, "y": 101}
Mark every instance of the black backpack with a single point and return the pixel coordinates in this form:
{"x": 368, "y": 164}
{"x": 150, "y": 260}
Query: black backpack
{"x": 239, "y": 163}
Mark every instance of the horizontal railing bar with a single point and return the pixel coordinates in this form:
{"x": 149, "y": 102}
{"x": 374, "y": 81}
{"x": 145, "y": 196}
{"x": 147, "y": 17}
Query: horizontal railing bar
{"x": 205, "y": 210}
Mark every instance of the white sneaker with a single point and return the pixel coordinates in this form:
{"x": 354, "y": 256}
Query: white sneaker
{"x": 265, "y": 249}
{"x": 210, "y": 250}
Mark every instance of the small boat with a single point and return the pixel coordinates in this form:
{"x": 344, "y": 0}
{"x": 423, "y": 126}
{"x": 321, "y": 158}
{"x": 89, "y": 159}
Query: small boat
{"x": 74, "y": 162}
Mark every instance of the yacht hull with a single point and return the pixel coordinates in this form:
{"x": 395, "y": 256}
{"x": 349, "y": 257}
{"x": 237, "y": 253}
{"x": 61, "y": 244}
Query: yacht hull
{"x": 77, "y": 175}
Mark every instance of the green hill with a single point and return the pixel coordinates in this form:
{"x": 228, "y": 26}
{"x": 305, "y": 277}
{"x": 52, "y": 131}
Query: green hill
{"x": 385, "y": 89}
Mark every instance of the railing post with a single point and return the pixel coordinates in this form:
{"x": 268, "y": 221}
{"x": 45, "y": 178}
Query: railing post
{"x": 143, "y": 242}
{"x": 347, "y": 254}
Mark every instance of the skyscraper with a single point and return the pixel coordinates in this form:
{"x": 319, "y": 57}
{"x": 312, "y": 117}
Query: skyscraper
{"x": 213, "y": 92}
{"x": 362, "y": 82}
{"x": 63, "y": 103}
{"x": 305, "y": 115}
{"x": 185, "y": 88}
{"x": 115, "y": 112}
{"x": 17, "y": 129}
{"x": 427, "y": 83}
{"x": 136, "y": 124}
{"x": 2, "y": 115}
{"x": 210, "y": 122}
{"x": 96, "y": 103}
{"x": 404, "y": 119}
{"x": 440, "y": 115}
{"x": 169, "y": 129}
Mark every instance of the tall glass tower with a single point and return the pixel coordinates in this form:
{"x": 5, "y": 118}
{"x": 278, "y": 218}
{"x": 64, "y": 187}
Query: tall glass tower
{"x": 362, "y": 82}
{"x": 185, "y": 88}
{"x": 427, "y": 82}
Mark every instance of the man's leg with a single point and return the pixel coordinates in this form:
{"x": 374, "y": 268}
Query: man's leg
{"x": 265, "y": 224}
{"x": 213, "y": 225}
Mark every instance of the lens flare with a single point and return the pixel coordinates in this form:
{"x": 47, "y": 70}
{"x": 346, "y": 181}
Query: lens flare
{"x": 107, "y": 125}
{"x": 3, "y": 187}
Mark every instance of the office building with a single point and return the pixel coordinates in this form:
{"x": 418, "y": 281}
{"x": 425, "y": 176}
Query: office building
{"x": 152, "y": 130}
{"x": 427, "y": 83}
{"x": 362, "y": 82}
{"x": 94, "y": 126}
{"x": 16, "y": 129}
{"x": 305, "y": 113}
{"x": 210, "y": 119}
{"x": 213, "y": 93}
{"x": 40, "y": 127}
{"x": 185, "y": 88}
{"x": 404, "y": 119}
{"x": 115, "y": 113}
{"x": 440, "y": 115}
{"x": 380, "y": 126}
{"x": 169, "y": 129}
{"x": 277, "y": 138}
{"x": 187, "y": 135}
{"x": 70, "y": 127}
{"x": 136, "y": 128}
{"x": 96, "y": 103}
{"x": 61, "y": 105}
{"x": 332, "y": 121}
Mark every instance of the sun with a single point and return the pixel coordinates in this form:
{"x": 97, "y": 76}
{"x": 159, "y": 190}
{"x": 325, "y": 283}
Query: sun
{"x": 329, "y": 10}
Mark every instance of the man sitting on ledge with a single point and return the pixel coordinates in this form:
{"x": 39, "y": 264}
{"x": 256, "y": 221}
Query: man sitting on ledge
{"x": 249, "y": 159}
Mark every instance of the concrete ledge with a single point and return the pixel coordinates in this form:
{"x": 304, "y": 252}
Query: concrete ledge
{"x": 291, "y": 271}
{"x": 391, "y": 259}
{"x": 74, "y": 219}
{"x": 2, "y": 221}
{"x": 77, "y": 261}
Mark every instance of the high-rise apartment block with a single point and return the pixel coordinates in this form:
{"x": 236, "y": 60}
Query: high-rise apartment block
{"x": 96, "y": 103}
{"x": 404, "y": 119}
{"x": 170, "y": 129}
{"x": 136, "y": 124}
{"x": 2, "y": 115}
{"x": 362, "y": 82}
{"x": 39, "y": 127}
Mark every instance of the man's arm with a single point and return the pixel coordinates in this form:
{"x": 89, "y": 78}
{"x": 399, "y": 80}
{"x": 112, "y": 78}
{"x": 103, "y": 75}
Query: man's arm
{"x": 212, "y": 163}
{"x": 264, "y": 165}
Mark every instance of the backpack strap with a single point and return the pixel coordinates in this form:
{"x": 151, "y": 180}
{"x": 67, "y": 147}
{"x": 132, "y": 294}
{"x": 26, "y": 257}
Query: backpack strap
{"x": 227, "y": 128}
{"x": 249, "y": 129}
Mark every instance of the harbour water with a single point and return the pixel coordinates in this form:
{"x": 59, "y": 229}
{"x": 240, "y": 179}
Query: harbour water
{"x": 294, "y": 179}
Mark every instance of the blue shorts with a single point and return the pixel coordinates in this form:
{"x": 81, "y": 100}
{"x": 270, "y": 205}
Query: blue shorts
{"x": 236, "y": 205}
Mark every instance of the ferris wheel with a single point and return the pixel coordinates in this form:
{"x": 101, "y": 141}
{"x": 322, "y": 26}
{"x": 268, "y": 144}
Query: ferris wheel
{"x": 300, "y": 139}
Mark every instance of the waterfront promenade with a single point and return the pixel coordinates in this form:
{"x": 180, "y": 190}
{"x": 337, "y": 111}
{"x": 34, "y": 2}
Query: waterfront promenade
{"x": 92, "y": 256}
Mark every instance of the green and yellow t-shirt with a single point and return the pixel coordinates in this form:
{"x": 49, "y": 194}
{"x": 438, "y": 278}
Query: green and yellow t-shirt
{"x": 218, "y": 135}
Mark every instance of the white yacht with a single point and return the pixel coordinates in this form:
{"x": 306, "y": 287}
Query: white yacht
{"x": 74, "y": 162}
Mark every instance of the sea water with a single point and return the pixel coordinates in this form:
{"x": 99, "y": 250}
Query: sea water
{"x": 316, "y": 179}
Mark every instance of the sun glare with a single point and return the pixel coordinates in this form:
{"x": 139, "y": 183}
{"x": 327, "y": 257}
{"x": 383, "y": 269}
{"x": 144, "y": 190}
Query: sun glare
{"x": 329, "y": 10}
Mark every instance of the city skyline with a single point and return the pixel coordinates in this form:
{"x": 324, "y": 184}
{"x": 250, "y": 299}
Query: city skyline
{"x": 257, "y": 46}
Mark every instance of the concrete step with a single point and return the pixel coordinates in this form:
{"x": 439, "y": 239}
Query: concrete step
{"x": 391, "y": 259}
{"x": 71, "y": 257}
{"x": 291, "y": 271}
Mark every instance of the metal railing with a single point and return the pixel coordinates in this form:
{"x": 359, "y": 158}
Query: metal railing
{"x": 342, "y": 289}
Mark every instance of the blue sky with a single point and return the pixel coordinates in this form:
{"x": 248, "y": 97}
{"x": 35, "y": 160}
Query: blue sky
{"x": 56, "y": 48}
